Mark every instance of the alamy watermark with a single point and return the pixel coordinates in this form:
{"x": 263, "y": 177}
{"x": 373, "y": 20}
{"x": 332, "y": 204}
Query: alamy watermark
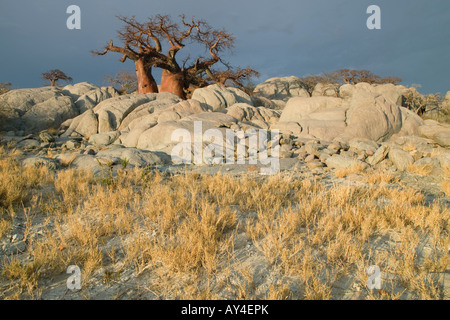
{"x": 74, "y": 281}
{"x": 374, "y": 281}
{"x": 74, "y": 20}
{"x": 239, "y": 145}
{"x": 374, "y": 21}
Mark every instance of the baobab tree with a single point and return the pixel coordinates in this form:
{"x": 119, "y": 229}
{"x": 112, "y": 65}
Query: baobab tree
{"x": 144, "y": 43}
{"x": 54, "y": 75}
{"x": 142, "y": 57}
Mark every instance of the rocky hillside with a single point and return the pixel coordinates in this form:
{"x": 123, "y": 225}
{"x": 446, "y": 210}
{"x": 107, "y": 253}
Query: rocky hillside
{"x": 336, "y": 127}
{"x": 34, "y": 110}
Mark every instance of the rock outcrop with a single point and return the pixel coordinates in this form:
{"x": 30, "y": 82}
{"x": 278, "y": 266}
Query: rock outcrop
{"x": 281, "y": 89}
{"x": 37, "y": 109}
{"x": 218, "y": 98}
{"x": 364, "y": 125}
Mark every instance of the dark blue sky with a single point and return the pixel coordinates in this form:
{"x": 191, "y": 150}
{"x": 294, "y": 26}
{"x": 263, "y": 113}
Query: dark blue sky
{"x": 276, "y": 37}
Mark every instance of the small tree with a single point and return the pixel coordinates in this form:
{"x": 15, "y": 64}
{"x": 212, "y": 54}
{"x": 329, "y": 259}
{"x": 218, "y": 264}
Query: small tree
{"x": 124, "y": 81}
{"x": 5, "y": 87}
{"x": 344, "y": 76}
{"x": 356, "y": 76}
{"x": 393, "y": 80}
{"x": 54, "y": 75}
{"x": 310, "y": 82}
{"x": 240, "y": 78}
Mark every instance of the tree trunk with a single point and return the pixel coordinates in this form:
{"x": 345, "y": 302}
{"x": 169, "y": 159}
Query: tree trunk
{"x": 52, "y": 82}
{"x": 173, "y": 82}
{"x": 146, "y": 82}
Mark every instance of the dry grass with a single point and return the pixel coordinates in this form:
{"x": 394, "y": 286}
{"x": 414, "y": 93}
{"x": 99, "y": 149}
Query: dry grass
{"x": 182, "y": 232}
{"x": 446, "y": 187}
{"x": 17, "y": 181}
{"x": 380, "y": 177}
{"x": 357, "y": 168}
{"x": 447, "y": 171}
{"x": 422, "y": 170}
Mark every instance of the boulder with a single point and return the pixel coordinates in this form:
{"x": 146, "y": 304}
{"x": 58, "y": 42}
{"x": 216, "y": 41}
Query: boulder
{"x": 78, "y": 89}
{"x": 217, "y": 119}
{"x": 135, "y": 157}
{"x": 259, "y": 124}
{"x": 217, "y": 97}
{"x": 85, "y": 124}
{"x": 159, "y": 137}
{"x": 103, "y": 139}
{"x": 438, "y": 132}
{"x": 86, "y": 95}
{"x": 39, "y": 162}
{"x": 331, "y": 114}
{"x": 401, "y": 159}
{"x": 246, "y": 112}
{"x": 172, "y": 113}
{"x": 71, "y": 144}
{"x": 371, "y": 116}
{"x": 444, "y": 160}
{"x": 379, "y": 155}
{"x": 314, "y": 149}
{"x": 301, "y": 108}
{"x": 447, "y": 97}
{"x": 267, "y": 103}
{"x": 287, "y": 127}
{"x": 343, "y": 162}
{"x": 37, "y": 109}
{"x": 155, "y": 107}
{"x": 325, "y": 90}
{"x": 410, "y": 123}
{"x": 281, "y": 88}
{"x": 285, "y": 152}
{"x": 315, "y": 165}
{"x": 115, "y": 111}
{"x": 90, "y": 99}
{"x": 87, "y": 162}
{"x": 28, "y": 144}
{"x": 394, "y": 93}
{"x": 319, "y": 117}
{"x": 430, "y": 164}
{"x": 321, "y": 129}
{"x": 446, "y": 102}
{"x": 363, "y": 145}
{"x": 34, "y": 110}
{"x": 413, "y": 142}
{"x": 310, "y": 158}
{"x": 442, "y": 138}
{"x": 119, "y": 112}
{"x": 46, "y": 137}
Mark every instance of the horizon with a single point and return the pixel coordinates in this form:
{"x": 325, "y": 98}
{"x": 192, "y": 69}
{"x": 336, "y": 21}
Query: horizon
{"x": 304, "y": 39}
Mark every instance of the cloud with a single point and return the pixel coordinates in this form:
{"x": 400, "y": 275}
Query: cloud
{"x": 275, "y": 37}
